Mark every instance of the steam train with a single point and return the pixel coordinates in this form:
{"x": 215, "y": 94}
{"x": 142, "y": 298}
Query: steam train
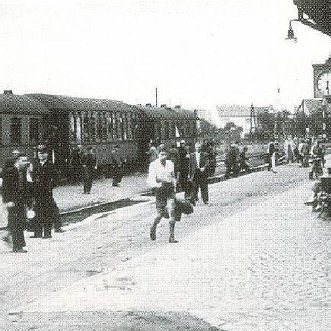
{"x": 64, "y": 123}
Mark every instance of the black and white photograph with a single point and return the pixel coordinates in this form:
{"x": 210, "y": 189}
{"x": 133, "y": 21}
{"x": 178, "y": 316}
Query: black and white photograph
{"x": 165, "y": 165}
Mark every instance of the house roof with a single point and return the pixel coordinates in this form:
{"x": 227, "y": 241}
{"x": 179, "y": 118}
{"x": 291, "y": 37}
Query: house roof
{"x": 20, "y": 104}
{"x": 311, "y": 105}
{"x": 67, "y": 103}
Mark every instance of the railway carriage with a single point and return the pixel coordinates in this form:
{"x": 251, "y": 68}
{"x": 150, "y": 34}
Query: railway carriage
{"x": 22, "y": 124}
{"x": 65, "y": 123}
{"x": 168, "y": 125}
{"x": 87, "y": 122}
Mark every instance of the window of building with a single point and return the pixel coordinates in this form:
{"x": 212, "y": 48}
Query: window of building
{"x": 15, "y": 131}
{"x": 34, "y": 130}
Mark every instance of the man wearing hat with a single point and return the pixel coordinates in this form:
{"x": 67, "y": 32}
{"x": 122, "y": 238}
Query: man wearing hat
{"x": 183, "y": 168}
{"x": 117, "y": 162}
{"x": 198, "y": 174}
{"x": 89, "y": 164}
{"x": 15, "y": 197}
{"x": 43, "y": 179}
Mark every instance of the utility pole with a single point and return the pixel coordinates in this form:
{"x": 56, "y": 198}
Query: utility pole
{"x": 156, "y": 96}
{"x": 252, "y": 121}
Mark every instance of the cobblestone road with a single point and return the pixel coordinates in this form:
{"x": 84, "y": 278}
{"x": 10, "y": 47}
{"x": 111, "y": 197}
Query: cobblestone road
{"x": 256, "y": 259}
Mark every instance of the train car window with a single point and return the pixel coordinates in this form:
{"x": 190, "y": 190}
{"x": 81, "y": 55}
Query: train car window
{"x": 79, "y": 130}
{"x": 129, "y": 127}
{"x": 34, "y": 130}
{"x": 117, "y": 126}
{"x": 104, "y": 127}
{"x": 73, "y": 127}
{"x": 110, "y": 126}
{"x": 93, "y": 133}
{"x": 99, "y": 126}
{"x": 125, "y": 126}
{"x": 15, "y": 131}
{"x": 121, "y": 126}
{"x": 86, "y": 128}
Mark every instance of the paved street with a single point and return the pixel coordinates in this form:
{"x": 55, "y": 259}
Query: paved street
{"x": 256, "y": 259}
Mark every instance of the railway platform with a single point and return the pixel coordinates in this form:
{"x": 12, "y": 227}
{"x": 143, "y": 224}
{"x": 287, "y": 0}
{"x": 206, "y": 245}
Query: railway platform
{"x": 256, "y": 258}
{"x": 70, "y": 198}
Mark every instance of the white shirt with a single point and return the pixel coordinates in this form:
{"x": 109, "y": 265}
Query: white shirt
{"x": 197, "y": 157}
{"x": 157, "y": 170}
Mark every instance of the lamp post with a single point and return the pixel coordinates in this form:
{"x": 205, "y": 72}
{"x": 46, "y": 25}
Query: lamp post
{"x": 290, "y": 33}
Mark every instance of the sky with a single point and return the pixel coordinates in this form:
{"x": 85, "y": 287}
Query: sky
{"x": 197, "y": 53}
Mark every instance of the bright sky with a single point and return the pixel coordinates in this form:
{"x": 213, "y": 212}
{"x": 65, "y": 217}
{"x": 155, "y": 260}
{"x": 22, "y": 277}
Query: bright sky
{"x": 198, "y": 53}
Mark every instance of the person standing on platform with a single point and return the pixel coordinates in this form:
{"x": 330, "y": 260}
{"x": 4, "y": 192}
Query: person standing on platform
{"x": 161, "y": 177}
{"x": 15, "y": 196}
{"x": 152, "y": 152}
{"x": 198, "y": 174}
{"x": 184, "y": 162}
{"x": 272, "y": 157}
{"x": 243, "y": 161}
{"x": 89, "y": 164}
{"x": 44, "y": 176}
{"x": 117, "y": 162}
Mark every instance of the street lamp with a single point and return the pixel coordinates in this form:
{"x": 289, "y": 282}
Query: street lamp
{"x": 290, "y": 33}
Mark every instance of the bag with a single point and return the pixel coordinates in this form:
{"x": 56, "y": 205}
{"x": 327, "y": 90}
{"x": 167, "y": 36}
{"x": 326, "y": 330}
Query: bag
{"x": 184, "y": 206}
{"x": 30, "y": 219}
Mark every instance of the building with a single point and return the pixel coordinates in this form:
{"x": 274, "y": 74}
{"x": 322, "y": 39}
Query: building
{"x": 243, "y": 116}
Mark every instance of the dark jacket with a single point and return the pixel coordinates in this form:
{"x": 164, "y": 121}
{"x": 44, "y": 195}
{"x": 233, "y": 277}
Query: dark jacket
{"x": 44, "y": 179}
{"x": 89, "y": 161}
{"x": 193, "y": 166}
{"x": 11, "y": 192}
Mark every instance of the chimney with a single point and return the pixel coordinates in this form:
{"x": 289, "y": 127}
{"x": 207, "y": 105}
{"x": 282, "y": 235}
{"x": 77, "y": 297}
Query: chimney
{"x": 177, "y": 107}
{"x": 8, "y": 92}
{"x": 163, "y": 105}
{"x": 148, "y": 105}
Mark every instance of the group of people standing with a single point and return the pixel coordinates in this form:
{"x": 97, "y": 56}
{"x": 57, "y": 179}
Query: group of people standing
{"x": 177, "y": 169}
{"x": 30, "y": 185}
{"x": 82, "y": 166}
{"x": 236, "y": 160}
{"x": 303, "y": 151}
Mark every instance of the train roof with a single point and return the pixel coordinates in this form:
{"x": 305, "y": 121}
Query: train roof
{"x": 20, "y": 104}
{"x": 67, "y": 103}
{"x": 167, "y": 112}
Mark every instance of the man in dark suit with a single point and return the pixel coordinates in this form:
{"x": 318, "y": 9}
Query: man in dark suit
{"x": 15, "y": 196}
{"x": 198, "y": 174}
{"x": 89, "y": 163}
{"x": 43, "y": 178}
{"x": 117, "y": 162}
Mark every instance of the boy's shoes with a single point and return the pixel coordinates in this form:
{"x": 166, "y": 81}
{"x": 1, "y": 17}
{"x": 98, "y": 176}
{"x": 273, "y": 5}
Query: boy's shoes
{"x": 152, "y": 233}
{"x": 60, "y": 230}
{"x": 173, "y": 241}
{"x": 21, "y": 250}
{"x": 309, "y": 203}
